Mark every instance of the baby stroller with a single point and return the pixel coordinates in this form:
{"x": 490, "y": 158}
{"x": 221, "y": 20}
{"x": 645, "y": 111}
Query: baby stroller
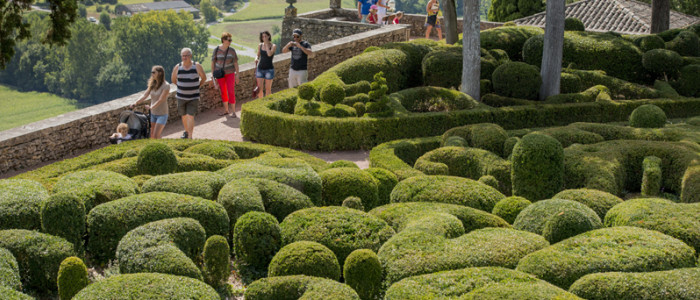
{"x": 139, "y": 124}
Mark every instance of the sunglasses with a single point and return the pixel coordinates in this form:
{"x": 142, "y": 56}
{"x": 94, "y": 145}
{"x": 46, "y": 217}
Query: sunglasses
{"x": 153, "y": 72}
{"x": 228, "y": 40}
{"x": 296, "y": 36}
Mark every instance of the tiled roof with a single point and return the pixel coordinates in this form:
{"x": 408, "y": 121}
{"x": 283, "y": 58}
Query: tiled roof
{"x": 162, "y": 5}
{"x": 622, "y": 16}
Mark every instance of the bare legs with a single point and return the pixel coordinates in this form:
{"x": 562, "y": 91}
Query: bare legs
{"x": 157, "y": 130}
{"x": 260, "y": 87}
{"x": 188, "y": 123}
{"x": 430, "y": 29}
{"x": 268, "y": 86}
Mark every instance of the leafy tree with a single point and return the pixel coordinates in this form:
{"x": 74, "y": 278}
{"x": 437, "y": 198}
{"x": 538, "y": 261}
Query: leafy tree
{"x": 105, "y": 20}
{"x": 208, "y": 10}
{"x": 156, "y": 38}
{"x": 13, "y": 29}
{"x": 684, "y": 6}
{"x": 82, "y": 11}
{"x": 508, "y": 10}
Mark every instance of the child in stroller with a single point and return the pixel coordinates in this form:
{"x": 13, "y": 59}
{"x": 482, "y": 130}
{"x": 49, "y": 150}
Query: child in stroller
{"x": 121, "y": 135}
{"x": 137, "y": 126}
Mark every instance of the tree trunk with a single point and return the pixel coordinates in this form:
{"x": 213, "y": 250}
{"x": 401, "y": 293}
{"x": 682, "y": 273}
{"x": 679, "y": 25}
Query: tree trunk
{"x": 553, "y": 48}
{"x": 471, "y": 50}
{"x": 450, "y": 16}
{"x": 660, "y": 15}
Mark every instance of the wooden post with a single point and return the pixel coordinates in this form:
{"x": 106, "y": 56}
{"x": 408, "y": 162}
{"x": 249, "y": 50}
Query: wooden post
{"x": 553, "y": 48}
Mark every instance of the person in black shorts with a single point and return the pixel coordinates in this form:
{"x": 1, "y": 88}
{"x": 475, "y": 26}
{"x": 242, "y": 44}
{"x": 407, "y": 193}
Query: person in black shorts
{"x": 433, "y": 8}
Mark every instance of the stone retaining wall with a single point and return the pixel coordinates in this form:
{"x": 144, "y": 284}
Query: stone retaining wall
{"x": 73, "y": 132}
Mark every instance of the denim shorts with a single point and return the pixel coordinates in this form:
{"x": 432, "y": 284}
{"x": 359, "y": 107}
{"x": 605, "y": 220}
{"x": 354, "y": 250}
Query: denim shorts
{"x": 159, "y": 119}
{"x": 267, "y": 74}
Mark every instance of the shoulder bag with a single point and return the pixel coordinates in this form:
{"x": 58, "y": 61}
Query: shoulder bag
{"x": 219, "y": 73}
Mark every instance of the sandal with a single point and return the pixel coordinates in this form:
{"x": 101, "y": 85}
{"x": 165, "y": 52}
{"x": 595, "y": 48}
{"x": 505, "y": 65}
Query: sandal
{"x": 223, "y": 114}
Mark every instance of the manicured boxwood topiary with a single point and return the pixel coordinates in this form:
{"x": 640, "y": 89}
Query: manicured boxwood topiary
{"x": 96, "y": 187}
{"x": 363, "y": 272}
{"x": 508, "y": 38}
{"x": 415, "y": 252}
{"x": 648, "y": 116}
{"x": 535, "y": 217}
{"x": 256, "y": 239}
{"x": 573, "y": 24}
{"x": 39, "y": 255}
{"x": 299, "y": 287}
{"x": 292, "y": 172}
{"x": 690, "y": 191}
{"x": 339, "y": 183}
{"x": 673, "y": 284}
{"x": 354, "y": 203}
{"x": 510, "y": 207}
{"x": 11, "y": 294}
{"x": 651, "y": 176}
{"x": 600, "y": 202}
{"x": 686, "y": 43}
{"x": 9, "y": 270}
{"x": 650, "y": 42}
{"x": 566, "y": 224}
{"x": 433, "y": 99}
{"x": 569, "y": 135}
{"x": 147, "y": 286}
{"x": 216, "y": 150}
{"x": 570, "y": 83}
{"x": 487, "y": 136}
{"x": 538, "y": 167}
{"x": 63, "y": 215}
{"x": 20, "y": 203}
{"x": 518, "y": 80}
{"x": 689, "y": 82}
{"x": 679, "y": 220}
{"x": 446, "y": 189}
{"x": 72, "y": 277}
{"x": 156, "y": 159}
{"x": 341, "y": 229}
{"x": 662, "y": 61}
{"x": 386, "y": 180}
{"x": 306, "y": 91}
{"x": 216, "y": 267}
{"x": 305, "y": 258}
{"x": 332, "y": 94}
{"x": 109, "y": 222}
{"x": 167, "y": 246}
{"x": 623, "y": 249}
{"x": 342, "y": 164}
{"x": 475, "y": 283}
{"x": 489, "y": 180}
{"x": 196, "y": 183}
{"x": 394, "y": 64}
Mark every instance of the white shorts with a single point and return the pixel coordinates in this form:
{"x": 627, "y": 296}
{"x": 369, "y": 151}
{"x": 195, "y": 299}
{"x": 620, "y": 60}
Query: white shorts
{"x": 296, "y": 78}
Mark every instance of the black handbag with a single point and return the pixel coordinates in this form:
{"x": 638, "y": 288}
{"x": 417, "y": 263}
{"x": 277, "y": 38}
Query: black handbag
{"x": 219, "y": 73}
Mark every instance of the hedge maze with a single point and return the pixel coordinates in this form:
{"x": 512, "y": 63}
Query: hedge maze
{"x": 590, "y": 194}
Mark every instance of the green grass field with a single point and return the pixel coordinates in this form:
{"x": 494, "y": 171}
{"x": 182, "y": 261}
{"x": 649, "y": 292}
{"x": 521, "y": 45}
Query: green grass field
{"x": 21, "y": 108}
{"x": 270, "y": 9}
{"x": 246, "y": 33}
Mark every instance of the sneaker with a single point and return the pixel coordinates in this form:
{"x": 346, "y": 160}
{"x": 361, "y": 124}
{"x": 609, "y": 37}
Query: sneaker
{"x": 184, "y": 135}
{"x": 233, "y": 115}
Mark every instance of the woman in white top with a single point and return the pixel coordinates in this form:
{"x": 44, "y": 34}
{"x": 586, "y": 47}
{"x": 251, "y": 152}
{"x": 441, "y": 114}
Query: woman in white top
{"x": 382, "y": 5}
{"x": 159, "y": 90}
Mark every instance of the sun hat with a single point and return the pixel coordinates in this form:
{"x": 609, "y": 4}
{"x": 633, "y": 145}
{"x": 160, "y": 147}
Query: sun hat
{"x": 373, "y": 7}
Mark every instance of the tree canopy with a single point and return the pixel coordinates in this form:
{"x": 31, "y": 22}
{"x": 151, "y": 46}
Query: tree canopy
{"x": 508, "y": 10}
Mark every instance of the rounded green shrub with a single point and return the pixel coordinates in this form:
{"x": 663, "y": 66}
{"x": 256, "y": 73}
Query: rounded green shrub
{"x": 650, "y": 42}
{"x": 510, "y": 207}
{"x": 156, "y": 159}
{"x": 96, "y": 187}
{"x": 299, "y": 287}
{"x": 690, "y": 186}
{"x": 217, "y": 150}
{"x": 354, "y": 203}
{"x": 433, "y": 99}
{"x": 11, "y": 294}
{"x": 256, "y": 239}
{"x": 487, "y": 136}
{"x": 600, "y": 202}
{"x": 686, "y": 43}
{"x": 535, "y": 218}
{"x": 509, "y": 145}
{"x": 446, "y": 189}
{"x": 339, "y": 183}
{"x": 72, "y": 277}
{"x": 573, "y": 24}
{"x": 509, "y": 39}
{"x": 415, "y": 51}
{"x": 570, "y": 83}
{"x": 305, "y": 258}
{"x": 387, "y": 181}
{"x": 360, "y": 107}
{"x": 109, "y": 222}
{"x": 341, "y": 229}
{"x": 147, "y": 286}
{"x": 651, "y": 176}
{"x": 442, "y": 67}
{"x": 489, "y": 180}
{"x": 689, "y": 82}
{"x": 64, "y": 215}
{"x": 363, "y": 272}
{"x": 508, "y": 10}
{"x": 414, "y": 252}
{"x": 679, "y": 220}
{"x": 39, "y": 256}
{"x": 9, "y": 270}
{"x": 20, "y": 203}
{"x": 538, "y": 167}
{"x": 648, "y": 116}
{"x": 617, "y": 249}
{"x": 360, "y": 87}
{"x": 517, "y": 80}
{"x": 455, "y": 141}
{"x": 392, "y": 62}
{"x": 499, "y": 55}
{"x": 673, "y": 284}
{"x": 342, "y": 164}
{"x": 306, "y": 91}
{"x": 196, "y": 183}
{"x": 216, "y": 267}
{"x": 332, "y": 94}
{"x": 166, "y": 246}
{"x": 475, "y": 283}
{"x": 662, "y": 61}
